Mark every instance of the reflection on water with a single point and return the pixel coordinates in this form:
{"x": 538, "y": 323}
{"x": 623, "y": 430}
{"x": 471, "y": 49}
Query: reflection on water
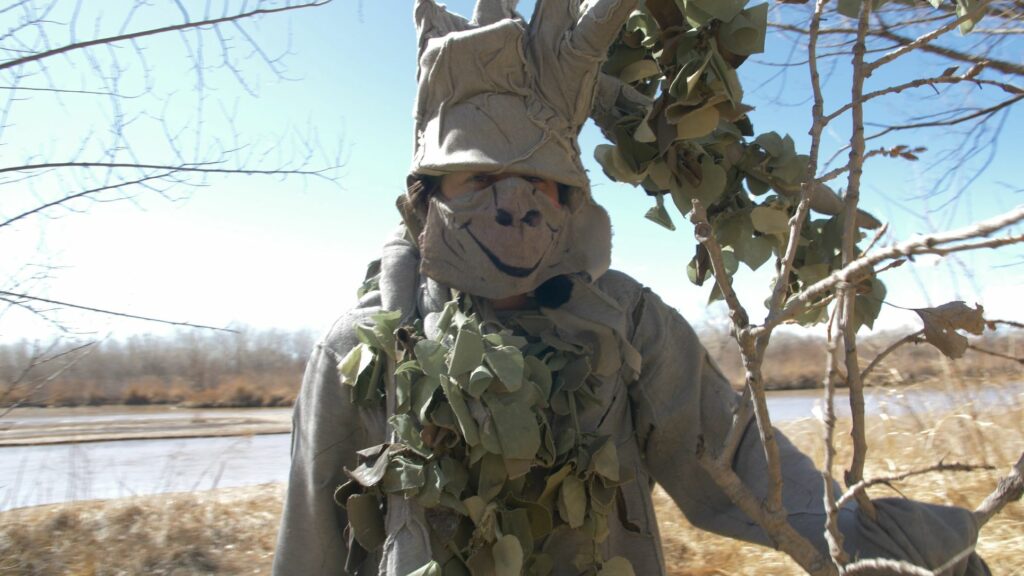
{"x": 33, "y": 475}
{"x": 36, "y": 475}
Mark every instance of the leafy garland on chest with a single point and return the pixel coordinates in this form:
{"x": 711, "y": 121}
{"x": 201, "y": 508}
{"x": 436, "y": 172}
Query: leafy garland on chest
{"x": 486, "y": 438}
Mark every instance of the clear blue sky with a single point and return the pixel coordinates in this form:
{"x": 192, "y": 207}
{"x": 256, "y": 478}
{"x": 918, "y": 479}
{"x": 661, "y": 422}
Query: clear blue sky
{"x": 290, "y": 253}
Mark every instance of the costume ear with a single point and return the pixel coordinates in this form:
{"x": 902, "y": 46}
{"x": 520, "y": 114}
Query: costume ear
{"x": 491, "y": 11}
{"x": 433, "y": 21}
{"x": 551, "y": 20}
{"x": 600, "y": 25}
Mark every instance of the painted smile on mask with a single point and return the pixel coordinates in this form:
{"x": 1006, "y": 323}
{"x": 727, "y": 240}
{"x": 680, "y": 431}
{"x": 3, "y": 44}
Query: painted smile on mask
{"x": 514, "y": 271}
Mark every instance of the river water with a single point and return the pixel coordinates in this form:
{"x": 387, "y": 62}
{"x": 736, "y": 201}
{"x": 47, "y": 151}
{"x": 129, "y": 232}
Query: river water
{"x": 34, "y": 475}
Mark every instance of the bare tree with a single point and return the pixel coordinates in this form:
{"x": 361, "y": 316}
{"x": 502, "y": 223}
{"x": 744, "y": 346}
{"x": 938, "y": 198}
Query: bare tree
{"x": 750, "y": 198}
{"x": 100, "y": 105}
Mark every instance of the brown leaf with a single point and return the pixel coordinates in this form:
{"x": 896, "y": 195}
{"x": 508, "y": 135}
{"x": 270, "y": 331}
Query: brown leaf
{"x": 942, "y": 322}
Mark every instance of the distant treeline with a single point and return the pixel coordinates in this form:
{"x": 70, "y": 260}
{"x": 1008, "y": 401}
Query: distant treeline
{"x": 264, "y": 367}
{"x": 195, "y": 367}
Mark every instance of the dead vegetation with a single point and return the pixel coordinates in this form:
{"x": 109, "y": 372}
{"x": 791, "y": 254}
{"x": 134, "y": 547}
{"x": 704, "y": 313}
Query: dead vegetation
{"x": 264, "y": 369}
{"x": 232, "y": 531}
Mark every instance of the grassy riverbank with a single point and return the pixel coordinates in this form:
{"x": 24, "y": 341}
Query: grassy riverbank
{"x": 232, "y": 531}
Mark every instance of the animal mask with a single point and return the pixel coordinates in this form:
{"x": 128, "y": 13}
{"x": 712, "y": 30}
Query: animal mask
{"x": 509, "y": 238}
{"x": 499, "y": 95}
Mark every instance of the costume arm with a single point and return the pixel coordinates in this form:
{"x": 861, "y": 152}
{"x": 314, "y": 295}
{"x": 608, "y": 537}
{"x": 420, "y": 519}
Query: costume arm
{"x": 327, "y": 429}
{"x": 682, "y": 396}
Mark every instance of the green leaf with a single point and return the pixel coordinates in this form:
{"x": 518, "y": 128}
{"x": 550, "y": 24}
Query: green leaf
{"x": 646, "y": 24}
{"x": 431, "y": 568}
{"x": 605, "y": 462}
{"x": 868, "y": 306}
{"x": 467, "y": 352}
{"x": 517, "y": 523}
{"x": 617, "y": 566}
{"x": 745, "y": 33}
{"x": 403, "y": 475}
{"x": 697, "y": 123}
{"x": 508, "y": 556}
{"x": 354, "y": 363}
{"x": 467, "y": 425}
{"x": 492, "y": 476}
{"x": 508, "y": 364}
{"x": 422, "y": 393}
{"x": 518, "y": 430}
{"x": 408, "y": 432}
{"x": 723, "y": 10}
{"x": 974, "y": 10}
{"x": 850, "y": 8}
{"x": 572, "y": 501}
{"x": 771, "y": 142}
{"x": 539, "y": 373}
{"x": 433, "y": 484}
{"x": 639, "y": 70}
{"x": 768, "y": 220}
{"x": 479, "y": 381}
{"x": 366, "y": 519}
{"x": 659, "y": 215}
{"x": 712, "y": 184}
{"x": 430, "y": 354}
{"x": 614, "y": 166}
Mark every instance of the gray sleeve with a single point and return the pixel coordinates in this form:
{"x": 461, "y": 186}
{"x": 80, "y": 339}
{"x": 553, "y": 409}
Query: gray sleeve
{"x": 327, "y": 430}
{"x": 682, "y": 396}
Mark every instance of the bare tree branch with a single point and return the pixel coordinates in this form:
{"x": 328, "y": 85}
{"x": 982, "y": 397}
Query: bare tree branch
{"x": 152, "y": 32}
{"x": 929, "y": 244}
{"x": 1010, "y": 489}
{"x": 909, "y": 338}
{"x": 30, "y": 298}
{"x": 863, "y": 485}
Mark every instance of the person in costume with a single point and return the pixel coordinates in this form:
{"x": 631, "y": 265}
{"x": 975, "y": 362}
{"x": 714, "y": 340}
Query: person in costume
{"x": 500, "y": 402}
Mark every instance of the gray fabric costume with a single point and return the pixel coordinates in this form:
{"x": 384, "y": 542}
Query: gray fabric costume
{"x": 656, "y": 420}
{"x": 499, "y": 96}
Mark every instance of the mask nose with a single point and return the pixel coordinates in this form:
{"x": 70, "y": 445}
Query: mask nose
{"x": 532, "y": 218}
{"x": 516, "y": 204}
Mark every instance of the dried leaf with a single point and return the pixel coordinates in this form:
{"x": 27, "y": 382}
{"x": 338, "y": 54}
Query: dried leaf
{"x": 431, "y": 568}
{"x": 572, "y": 501}
{"x": 367, "y": 520}
{"x": 942, "y": 322}
{"x": 508, "y": 556}
{"x": 617, "y": 566}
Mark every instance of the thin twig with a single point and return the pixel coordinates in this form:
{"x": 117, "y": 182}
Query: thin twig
{"x": 863, "y": 485}
{"x": 927, "y": 244}
{"x": 50, "y": 377}
{"x": 968, "y": 76}
{"x": 201, "y": 167}
{"x": 909, "y": 338}
{"x": 846, "y": 292}
{"x": 996, "y": 354}
{"x": 108, "y": 40}
{"x": 921, "y": 41}
{"x": 27, "y": 297}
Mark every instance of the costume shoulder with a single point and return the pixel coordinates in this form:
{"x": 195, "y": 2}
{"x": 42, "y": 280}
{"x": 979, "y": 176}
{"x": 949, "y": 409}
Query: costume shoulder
{"x": 391, "y": 284}
{"x": 341, "y": 336}
{"x": 621, "y": 286}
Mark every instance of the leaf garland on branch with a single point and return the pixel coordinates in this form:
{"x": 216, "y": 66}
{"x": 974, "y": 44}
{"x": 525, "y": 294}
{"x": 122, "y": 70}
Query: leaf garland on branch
{"x": 695, "y": 141}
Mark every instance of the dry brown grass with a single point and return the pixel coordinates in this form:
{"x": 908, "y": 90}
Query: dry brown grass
{"x": 896, "y": 445}
{"x": 232, "y": 531}
{"x": 227, "y": 531}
